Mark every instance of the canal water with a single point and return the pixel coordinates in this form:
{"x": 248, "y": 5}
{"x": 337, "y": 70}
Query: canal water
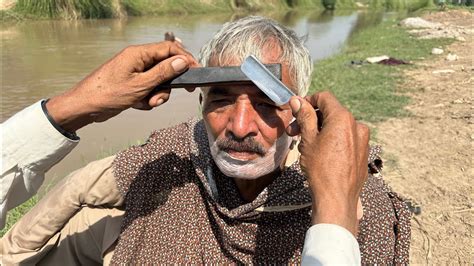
{"x": 40, "y": 59}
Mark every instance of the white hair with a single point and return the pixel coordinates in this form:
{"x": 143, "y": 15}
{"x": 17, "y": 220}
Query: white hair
{"x": 241, "y": 38}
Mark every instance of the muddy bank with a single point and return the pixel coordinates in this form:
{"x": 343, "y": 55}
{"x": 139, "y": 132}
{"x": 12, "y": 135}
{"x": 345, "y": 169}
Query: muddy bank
{"x": 430, "y": 152}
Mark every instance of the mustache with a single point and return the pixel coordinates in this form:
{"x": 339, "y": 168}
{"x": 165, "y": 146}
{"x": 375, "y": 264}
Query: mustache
{"x": 248, "y": 144}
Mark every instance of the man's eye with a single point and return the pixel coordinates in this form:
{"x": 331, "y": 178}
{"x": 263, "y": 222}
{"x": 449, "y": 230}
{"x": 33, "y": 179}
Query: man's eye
{"x": 221, "y": 102}
{"x": 265, "y": 105}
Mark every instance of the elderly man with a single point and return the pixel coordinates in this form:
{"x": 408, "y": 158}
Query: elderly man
{"x": 241, "y": 185}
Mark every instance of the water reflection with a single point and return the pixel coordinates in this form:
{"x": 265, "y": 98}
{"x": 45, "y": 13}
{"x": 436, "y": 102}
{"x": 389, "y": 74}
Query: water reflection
{"x": 40, "y": 59}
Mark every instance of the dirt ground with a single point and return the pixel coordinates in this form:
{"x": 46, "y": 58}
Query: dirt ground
{"x": 430, "y": 152}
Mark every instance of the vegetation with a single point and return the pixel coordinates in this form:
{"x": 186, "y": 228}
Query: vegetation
{"x": 77, "y": 9}
{"x": 68, "y": 9}
{"x": 370, "y": 90}
{"x": 409, "y": 5}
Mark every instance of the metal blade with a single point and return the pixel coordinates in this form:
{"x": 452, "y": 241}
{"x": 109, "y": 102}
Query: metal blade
{"x": 265, "y": 81}
{"x": 215, "y": 76}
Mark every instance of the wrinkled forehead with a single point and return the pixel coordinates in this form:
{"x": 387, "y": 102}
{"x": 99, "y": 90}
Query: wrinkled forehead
{"x": 269, "y": 52}
{"x": 267, "y": 56}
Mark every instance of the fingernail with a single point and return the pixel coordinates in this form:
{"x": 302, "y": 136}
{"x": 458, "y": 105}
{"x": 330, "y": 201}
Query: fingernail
{"x": 159, "y": 102}
{"x": 295, "y": 105}
{"x": 179, "y": 65}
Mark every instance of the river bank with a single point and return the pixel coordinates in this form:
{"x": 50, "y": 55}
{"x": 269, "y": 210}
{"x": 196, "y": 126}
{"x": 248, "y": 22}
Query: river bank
{"x": 421, "y": 114}
{"x": 86, "y": 9}
{"x": 430, "y": 152}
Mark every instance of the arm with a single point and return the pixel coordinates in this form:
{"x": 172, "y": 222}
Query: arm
{"x": 334, "y": 154}
{"x": 50, "y": 225}
{"x": 30, "y": 149}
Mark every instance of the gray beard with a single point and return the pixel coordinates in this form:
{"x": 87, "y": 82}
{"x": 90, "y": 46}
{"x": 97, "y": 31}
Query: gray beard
{"x": 251, "y": 169}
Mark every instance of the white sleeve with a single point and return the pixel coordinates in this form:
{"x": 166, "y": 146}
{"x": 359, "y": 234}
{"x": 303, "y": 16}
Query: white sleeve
{"x": 330, "y": 244}
{"x": 30, "y": 146}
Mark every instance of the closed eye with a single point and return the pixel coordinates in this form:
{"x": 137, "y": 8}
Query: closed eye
{"x": 267, "y": 105}
{"x": 220, "y": 100}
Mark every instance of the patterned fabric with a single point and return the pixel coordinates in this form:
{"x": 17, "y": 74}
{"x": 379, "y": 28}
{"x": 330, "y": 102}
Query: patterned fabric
{"x": 181, "y": 209}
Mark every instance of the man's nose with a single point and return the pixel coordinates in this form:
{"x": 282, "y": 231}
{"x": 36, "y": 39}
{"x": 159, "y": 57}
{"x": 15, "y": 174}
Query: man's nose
{"x": 242, "y": 121}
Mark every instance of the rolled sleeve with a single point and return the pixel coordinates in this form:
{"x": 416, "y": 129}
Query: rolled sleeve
{"x": 330, "y": 244}
{"x": 30, "y": 147}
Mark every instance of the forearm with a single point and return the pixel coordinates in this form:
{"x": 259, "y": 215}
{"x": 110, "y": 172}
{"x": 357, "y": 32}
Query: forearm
{"x": 340, "y": 211}
{"x": 69, "y": 113}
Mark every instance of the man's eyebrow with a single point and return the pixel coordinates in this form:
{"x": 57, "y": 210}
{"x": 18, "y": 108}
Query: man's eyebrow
{"x": 218, "y": 91}
{"x": 221, "y": 91}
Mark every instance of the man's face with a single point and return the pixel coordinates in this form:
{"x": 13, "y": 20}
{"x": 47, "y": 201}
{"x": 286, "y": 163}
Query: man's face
{"x": 246, "y": 129}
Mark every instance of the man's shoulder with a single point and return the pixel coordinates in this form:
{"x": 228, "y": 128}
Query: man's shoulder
{"x": 177, "y": 132}
{"x": 165, "y": 152}
{"x": 175, "y": 139}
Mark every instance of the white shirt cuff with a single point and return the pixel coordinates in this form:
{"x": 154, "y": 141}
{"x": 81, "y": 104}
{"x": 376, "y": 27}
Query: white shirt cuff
{"x": 330, "y": 244}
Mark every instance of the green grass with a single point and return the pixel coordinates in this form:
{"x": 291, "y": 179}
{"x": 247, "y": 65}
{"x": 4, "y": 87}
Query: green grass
{"x": 409, "y": 5}
{"x": 11, "y": 15}
{"x": 18, "y": 212}
{"x": 370, "y": 91}
{"x": 158, "y": 7}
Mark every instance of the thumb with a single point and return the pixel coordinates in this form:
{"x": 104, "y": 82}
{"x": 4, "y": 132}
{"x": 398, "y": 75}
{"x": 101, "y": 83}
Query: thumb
{"x": 166, "y": 70}
{"x": 305, "y": 118}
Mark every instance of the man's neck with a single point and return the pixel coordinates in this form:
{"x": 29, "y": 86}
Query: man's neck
{"x": 249, "y": 189}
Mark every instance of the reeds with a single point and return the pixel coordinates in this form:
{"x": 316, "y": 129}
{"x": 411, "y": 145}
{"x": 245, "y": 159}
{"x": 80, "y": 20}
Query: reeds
{"x": 409, "y": 5}
{"x": 67, "y": 9}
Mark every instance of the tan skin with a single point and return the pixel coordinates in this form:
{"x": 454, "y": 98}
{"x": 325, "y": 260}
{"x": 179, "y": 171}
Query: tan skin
{"x": 334, "y": 158}
{"x": 124, "y": 81}
{"x": 244, "y": 111}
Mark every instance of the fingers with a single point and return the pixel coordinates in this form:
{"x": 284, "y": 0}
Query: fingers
{"x": 327, "y": 104}
{"x": 154, "y": 101}
{"x": 143, "y": 57}
{"x": 293, "y": 129}
{"x": 163, "y": 61}
{"x": 169, "y": 36}
{"x": 165, "y": 70}
{"x": 159, "y": 98}
{"x": 306, "y": 119}
{"x": 142, "y": 105}
{"x": 155, "y": 52}
{"x": 363, "y": 136}
{"x": 178, "y": 42}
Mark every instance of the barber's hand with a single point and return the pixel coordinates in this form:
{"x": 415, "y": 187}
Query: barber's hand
{"x": 124, "y": 81}
{"x": 334, "y": 158}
